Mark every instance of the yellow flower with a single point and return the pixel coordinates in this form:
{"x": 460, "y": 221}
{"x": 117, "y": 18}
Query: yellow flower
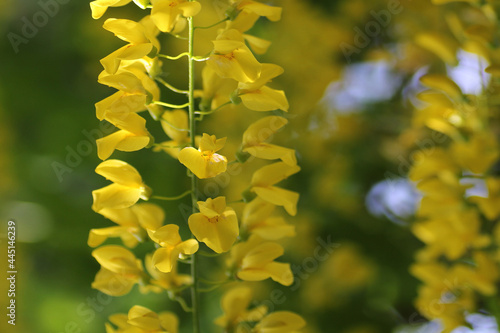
{"x": 141, "y": 37}
{"x": 132, "y": 224}
{"x": 231, "y": 58}
{"x": 166, "y": 13}
{"x": 249, "y": 6}
{"x": 165, "y": 281}
{"x": 99, "y": 7}
{"x": 126, "y": 190}
{"x": 120, "y": 102}
{"x": 235, "y": 303}
{"x": 253, "y": 260}
{"x": 478, "y": 153}
{"x": 175, "y": 125}
{"x": 204, "y": 162}
{"x": 216, "y": 90}
{"x": 120, "y": 270}
{"x": 132, "y": 135}
{"x": 171, "y": 248}
{"x": 142, "y": 320}
{"x": 257, "y": 219}
{"x": 259, "y": 97}
{"x": 280, "y": 322}
{"x": 255, "y": 137}
{"x": 245, "y": 21}
{"x": 215, "y": 225}
{"x": 461, "y": 231}
{"x": 264, "y": 179}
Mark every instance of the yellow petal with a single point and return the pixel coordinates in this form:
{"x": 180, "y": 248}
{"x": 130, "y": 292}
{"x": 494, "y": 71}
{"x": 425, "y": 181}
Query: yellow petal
{"x": 175, "y": 120}
{"x": 117, "y": 259}
{"x": 127, "y": 30}
{"x": 236, "y": 61}
{"x": 143, "y": 318}
{"x": 268, "y": 72}
{"x": 273, "y": 173}
{"x": 115, "y": 196}
{"x": 113, "y": 284}
{"x": 201, "y": 165}
{"x": 188, "y": 247}
{"x": 164, "y": 15}
{"x": 272, "y": 13}
{"x": 279, "y": 197}
{"x": 280, "y": 322}
{"x": 99, "y": 7}
{"x": 163, "y": 259}
{"x": 258, "y": 45}
{"x": 149, "y": 216}
{"x": 189, "y": 9}
{"x": 167, "y": 235}
{"x": 120, "y": 172}
{"x": 271, "y": 152}
{"x": 280, "y": 272}
{"x": 243, "y": 22}
{"x": 169, "y": 321}
{"x": 262, "y": 255}
{"x": 262, "y": 130}
{"x": 441, "y": 45}
{"x": 99, "y": 236}
{"x": 265, "y": 99}
{"x": 442, "y": 83}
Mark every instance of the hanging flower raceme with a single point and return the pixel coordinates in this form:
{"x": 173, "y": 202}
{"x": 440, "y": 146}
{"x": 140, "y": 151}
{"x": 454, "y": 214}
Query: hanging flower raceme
{"x": 205, "y": 162}
{"x": 171, "y": 248}
{"x": 215, "y": 225}
{"x": 141, "y": 37}
{"x": 255, "y": 137}
{"x": 126, "y": 190}
{"x": 235, "y": 304}
{"x": 253, "y": 260}
{"x": 259, "y": 97}
{"x": 167, "y": 13}
{"x": 142, "y": 320}
{"x": 231, "y": 58}
{"x": 264, "y": 179}
{"x": 257, "y": 219}
{"x": 120, "y": 270}
{"x": 132, "y": 224}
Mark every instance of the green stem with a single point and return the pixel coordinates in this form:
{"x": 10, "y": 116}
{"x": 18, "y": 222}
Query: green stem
{"x": 184, "y": 54}
{"x": 194, "y": 184}
{"x": 213, "y": 25}
{"x": 169, "y": 86}
{"x": 173, "y": 106}
{"x": 180, "y": 196}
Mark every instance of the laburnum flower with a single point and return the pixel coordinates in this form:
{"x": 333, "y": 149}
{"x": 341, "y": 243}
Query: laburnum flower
{"x": 460, "y": 229}
{"x": 235, "y": 303}
{"x": 253, "y": 260}
{"x": 126, "y": 190}
{"x": 120, "y": 270}
{"x": 141, "y": 37}
{"x": 257, "y": 219}
{"x": 280, "y": 322}
{"x": 490, "y": 205}
{"x": 255, "y": 7}
{"x": 171, "y": 248}
{"x": 215, "y": 225}
{"x": 166, "y": 13}
{"x": 264, "y": 179}
{"x": 245, "y": 21}
{"x": 205, "y": 162}
{"x": 132, "y": 135}
{"x": 259, "y": 97}
{"x": 231, "y": 58}
{"x": 165, "y": 281}
{"x": 142, "y": 320}
{"x": 175, "y": 125}
{"x": 132, "y": 224}
{"x": 443, "y": 191}
{"x": 256, "y": 135}
{"x": 445, "y": 294}
{"x": 120, "y": 102}
{"x": 216, "y": 90}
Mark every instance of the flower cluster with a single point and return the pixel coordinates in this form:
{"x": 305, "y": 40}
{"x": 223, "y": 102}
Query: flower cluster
{"x": 232, "y": 75}
{"x": 458, "y": 214}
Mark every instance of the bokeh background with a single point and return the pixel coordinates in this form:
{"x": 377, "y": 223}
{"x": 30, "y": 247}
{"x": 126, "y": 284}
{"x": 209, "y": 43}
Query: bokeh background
{"x": 348, "y": 119}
